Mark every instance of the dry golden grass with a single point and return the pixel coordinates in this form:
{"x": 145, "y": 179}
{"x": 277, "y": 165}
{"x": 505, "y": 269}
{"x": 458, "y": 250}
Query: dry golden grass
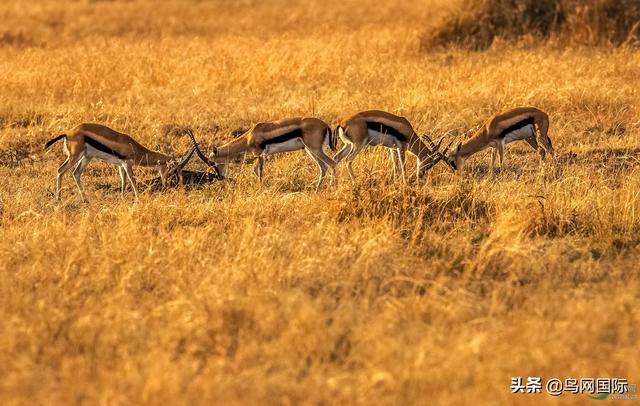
{"x": 436, "y": 293}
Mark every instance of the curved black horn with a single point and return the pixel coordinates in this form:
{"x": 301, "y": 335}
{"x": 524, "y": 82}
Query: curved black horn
{"x": 447, "y": 148}
{"x": 436, "y": 147}
{"x": 202, "y": 156}
{"x": 178, "y": 167}
{"x": 444, "y": 155}
{"x": 185, "y": 160}
{"x": 436, "y": 154}
{"x": 426, "y": 137}
{"x": 439, "y": 156}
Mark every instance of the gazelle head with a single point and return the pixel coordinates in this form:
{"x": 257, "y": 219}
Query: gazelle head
{"x": 455, "y": 159}
{"x": 205, "y": 159}
{"x": 220, "y": 163}
{"x": 173, "y": 166}
{"x": 436, "y": 155}
{"x": 229, "y": 154}
{"x": 222, "y": 159}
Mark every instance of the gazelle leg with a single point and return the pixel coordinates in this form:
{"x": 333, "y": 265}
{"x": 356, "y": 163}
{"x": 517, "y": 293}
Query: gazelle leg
{"x": 129, "y": 171}
{"x": 123, "y": 179}
{"x": 61, "y": 170}
{"x": 344, "y": 152}
{"x": 163, "y": 177}
{"x": 323, "y": 171}
{"x": 258, "y": 170}
{"x": 534, "y": 144}
{"x": 401, "y": 155}
{"x": 329, "y": 162}
{"x": 68, "y": 163}
{"x": 542, "y": 136}
{"x": 77, "y": 176}
{"x": 500, "y": 148}
{"x": 543, "y": 154}
{"x": 394, "y": 163}
{"x": 323, "y": 160}
{"x": 352, "y": 155}
{"x": 494, "y": 155}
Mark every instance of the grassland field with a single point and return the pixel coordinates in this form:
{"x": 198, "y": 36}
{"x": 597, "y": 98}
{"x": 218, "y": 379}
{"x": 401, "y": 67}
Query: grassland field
{"x": 436, "y": 292}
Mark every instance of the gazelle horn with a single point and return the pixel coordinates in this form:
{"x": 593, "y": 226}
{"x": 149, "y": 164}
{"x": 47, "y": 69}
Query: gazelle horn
{"x": 436, "y": 153}
{"x": 202, "y": 156}
{"x": 183, "y": 162}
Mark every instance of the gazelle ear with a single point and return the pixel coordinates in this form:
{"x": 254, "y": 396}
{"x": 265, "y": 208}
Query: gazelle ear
{"x": 458, "y": 147}
{"x": 214, "y": 151}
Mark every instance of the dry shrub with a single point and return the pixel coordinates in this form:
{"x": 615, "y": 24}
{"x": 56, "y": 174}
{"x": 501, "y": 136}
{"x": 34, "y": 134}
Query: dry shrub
{"x": 17, "y": 40}
{"x": 475, "y": 25}
{"x": 603, "y": 21}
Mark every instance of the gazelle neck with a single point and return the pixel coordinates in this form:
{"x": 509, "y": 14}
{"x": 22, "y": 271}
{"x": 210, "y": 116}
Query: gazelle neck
{"x": 423, "y": 154}
{"x": 152, "y": 158}
{"x": 231, "y": 150}
{"x": 475, "y": 144}
{"x": 418, "y": 148}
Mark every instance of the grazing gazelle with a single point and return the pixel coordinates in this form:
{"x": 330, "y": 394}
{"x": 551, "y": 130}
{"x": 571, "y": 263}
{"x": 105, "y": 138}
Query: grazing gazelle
{"x": 522, "y": 123}
{"x": 266, "y": 139}
{"x": 88, "y": 141}
{"x": 394, "y": 132}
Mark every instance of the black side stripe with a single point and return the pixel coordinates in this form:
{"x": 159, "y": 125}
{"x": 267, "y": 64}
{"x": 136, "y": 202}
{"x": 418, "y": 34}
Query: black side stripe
{"x": 297, "y": 133}
{"x": 516, "y": 126}
{"x": 101, "y": 147}
{"x": 385, "y": 129}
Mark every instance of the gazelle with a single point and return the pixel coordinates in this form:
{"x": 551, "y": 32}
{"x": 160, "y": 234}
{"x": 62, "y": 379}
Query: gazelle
{"x": 88, "y": 141}
{"x": 522, "y": 123}
{"x": 376, "y": 127}
{"x": 265, "y": 139}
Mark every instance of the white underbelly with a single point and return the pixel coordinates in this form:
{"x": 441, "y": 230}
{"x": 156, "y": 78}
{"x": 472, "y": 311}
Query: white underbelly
{"x": 294, "y": 144}
{"x": 386, "y": 140}
{"x": 92, "y": 152}
{"x": 520, "y": 134}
